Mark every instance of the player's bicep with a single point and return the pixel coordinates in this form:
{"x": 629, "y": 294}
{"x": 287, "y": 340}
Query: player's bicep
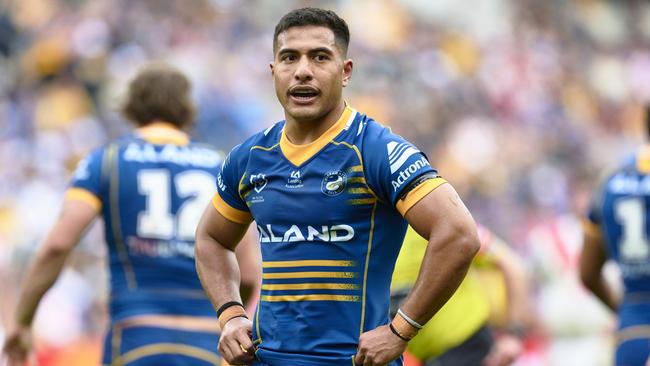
{"x": 214, "y": 226}
{"x": 594, "y": 254}
{"x": 76, "y": 216}
{"x": 443, "y": 214}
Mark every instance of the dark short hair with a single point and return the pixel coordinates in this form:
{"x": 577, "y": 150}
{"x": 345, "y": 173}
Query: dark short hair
{"x": 159, "y": 92}
{"x": 318, "y": 17}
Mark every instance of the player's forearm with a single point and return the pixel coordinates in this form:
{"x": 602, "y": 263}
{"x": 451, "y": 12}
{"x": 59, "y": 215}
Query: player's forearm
{"x": 599, "y": 287}
{"x": 41, "y": 276}
{"x": 444, "y": 266}
{"x": 218, "y": 271}
{"x": 517, "y": 286}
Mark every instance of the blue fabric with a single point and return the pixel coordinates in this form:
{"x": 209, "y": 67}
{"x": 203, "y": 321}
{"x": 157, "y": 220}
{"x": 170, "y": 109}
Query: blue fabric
{"x": 152, "y": 197}
{"x": 621, "y": 209}
{"x": 151, "y": 347}
{"x": 337, "y": 206}
{"x": 634, "y": 352}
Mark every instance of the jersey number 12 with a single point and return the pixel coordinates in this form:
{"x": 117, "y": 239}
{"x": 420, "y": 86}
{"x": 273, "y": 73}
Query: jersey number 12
{"x": 157, "y": 220}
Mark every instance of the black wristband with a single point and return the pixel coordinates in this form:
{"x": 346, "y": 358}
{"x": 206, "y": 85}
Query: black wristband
{"x": 227, "y": 305}
{"x": 392, "y": 328}
{"x": 238, "y": 316}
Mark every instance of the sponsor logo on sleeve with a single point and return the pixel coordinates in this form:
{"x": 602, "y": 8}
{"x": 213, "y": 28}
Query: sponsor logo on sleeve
{"x": 407, "y": 172}
{"x": 220, "y": 184}
{"x": 398, "y": 154}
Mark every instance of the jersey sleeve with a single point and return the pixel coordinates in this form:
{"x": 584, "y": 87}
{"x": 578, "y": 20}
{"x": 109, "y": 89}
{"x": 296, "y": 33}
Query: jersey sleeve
{"x": 594, "y": 218}
{"x": 86, "y": 183}
{"x": 227, "y": 199}
{"x": 397, "y": 171}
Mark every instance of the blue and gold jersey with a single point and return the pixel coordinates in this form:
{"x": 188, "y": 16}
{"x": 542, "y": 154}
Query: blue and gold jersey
{"x": 620, "y": 213}
{"x": 329, "y": 217}
{"x": 151, "y": 188}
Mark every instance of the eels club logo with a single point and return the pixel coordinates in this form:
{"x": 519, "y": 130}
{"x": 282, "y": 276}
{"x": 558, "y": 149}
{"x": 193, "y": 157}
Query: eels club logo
{"x": 334, "y": 183}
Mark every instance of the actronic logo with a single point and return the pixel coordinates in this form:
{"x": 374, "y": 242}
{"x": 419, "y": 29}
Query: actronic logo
{"x": 398, "y": 154}
{"x": 258, "y": 181}
{"x": 406, "y": 173}
{"x": 220, "y": 183}
{"x": 334, "y": 183}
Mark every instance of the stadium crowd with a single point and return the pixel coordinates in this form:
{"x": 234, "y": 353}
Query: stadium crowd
{"x": 519, "y": 103}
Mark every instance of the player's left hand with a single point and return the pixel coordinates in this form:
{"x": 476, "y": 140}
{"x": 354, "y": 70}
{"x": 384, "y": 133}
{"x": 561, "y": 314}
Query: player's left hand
{"x": 378, "y": 347}
{"x": 235, "y": 344}
{"x": 17, "y": 346}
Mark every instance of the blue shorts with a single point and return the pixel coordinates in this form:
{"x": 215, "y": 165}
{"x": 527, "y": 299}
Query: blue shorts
{"x": 633, "y": 352}
{"x": 149, "y": 346}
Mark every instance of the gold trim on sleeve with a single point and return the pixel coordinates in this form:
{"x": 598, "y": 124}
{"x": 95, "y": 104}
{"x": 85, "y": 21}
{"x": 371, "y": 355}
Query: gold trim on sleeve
{"x": 229, "y": 212}
{"x": 417, "y": 194}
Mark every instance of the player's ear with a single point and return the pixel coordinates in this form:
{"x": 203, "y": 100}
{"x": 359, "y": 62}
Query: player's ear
{"x": 347, "y": 72}
{"x": 271, "y": 64}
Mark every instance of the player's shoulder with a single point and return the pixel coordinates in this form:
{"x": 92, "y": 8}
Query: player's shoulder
{"x": 266, "y": 140}
{"x": 626, "y": 167}
{"x": 362, "y": 127}
{"x": 374, "y": 138}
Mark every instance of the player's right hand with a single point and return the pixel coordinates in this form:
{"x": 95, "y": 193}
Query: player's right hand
{"x": 505, "y": 351}
{"x": 17, "y": 346}
{"x": 235, "y": 342}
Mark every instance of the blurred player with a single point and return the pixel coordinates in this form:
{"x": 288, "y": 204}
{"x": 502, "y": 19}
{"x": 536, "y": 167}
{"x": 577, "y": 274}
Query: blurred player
{"x": 618, "y": 228}
{"x": 459, "y": 334}
{"x": 150, "y": 188}
{"x": 331, "y": 192}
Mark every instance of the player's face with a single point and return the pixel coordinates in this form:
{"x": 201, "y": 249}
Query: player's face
{"x": 309, "y": 72}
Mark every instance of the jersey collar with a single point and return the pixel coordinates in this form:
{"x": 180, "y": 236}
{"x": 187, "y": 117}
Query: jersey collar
{"x": 298, "y": 154}
{"x": 160, "y": 133}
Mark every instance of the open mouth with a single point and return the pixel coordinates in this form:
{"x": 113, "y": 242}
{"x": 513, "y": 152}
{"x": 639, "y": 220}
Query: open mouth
{"x": 303, "y": 94}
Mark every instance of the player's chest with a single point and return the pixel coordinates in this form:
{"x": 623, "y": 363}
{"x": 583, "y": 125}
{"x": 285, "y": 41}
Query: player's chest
{"x": 330, "y": 186}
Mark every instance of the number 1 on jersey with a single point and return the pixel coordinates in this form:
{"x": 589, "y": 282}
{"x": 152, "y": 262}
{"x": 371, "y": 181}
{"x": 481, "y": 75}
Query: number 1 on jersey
{"x": 630, "y": 213}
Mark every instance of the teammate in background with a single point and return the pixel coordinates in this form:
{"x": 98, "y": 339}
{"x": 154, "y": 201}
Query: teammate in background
{"x": 150, "y": 188}
{"x": 329, "y": 189}
{"x": 617, "y": 228}
{"x": 459, "y": 334}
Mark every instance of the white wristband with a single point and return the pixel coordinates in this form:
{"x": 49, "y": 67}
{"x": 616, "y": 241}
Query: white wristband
{"x": 409, "y": 320}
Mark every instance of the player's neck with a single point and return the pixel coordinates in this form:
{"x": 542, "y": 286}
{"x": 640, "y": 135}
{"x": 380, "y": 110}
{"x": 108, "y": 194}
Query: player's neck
{"x": 301, "y": 132}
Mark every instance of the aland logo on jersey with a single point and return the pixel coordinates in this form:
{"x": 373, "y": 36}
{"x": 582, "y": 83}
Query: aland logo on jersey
{"x": 295, "y": 233}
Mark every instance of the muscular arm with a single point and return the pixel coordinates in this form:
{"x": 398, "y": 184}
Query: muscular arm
{"x": 592, "y": 260}
{"x": 216, "y": 262}
{"x": 249, "y": 259}
{"x": 441, "y": 217}
{"x": 45, "y": 269}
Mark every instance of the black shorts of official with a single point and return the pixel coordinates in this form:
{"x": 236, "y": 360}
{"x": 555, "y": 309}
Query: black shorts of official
{"x": 469, "y": 353}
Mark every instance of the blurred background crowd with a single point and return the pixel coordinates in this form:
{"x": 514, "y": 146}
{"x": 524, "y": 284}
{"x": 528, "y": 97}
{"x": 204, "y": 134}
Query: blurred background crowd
{"x": 521, "y": 104}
